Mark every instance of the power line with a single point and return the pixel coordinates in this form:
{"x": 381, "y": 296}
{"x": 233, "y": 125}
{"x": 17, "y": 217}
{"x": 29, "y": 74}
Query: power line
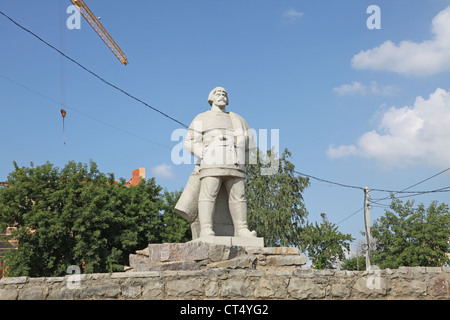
{"x": 426, "y": 179}
{"x": 415, "y": 193}
{"x": 327, "y": 181}
{"x": 93, "y": 73}
{"x": 444, "y": 189}
{"x": 351, "y": 215}
{"x": 418, "y": 193}
{"x": 82, "y": 113}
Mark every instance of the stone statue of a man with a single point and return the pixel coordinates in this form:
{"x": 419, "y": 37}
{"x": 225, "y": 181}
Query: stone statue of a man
{"x": 222, "y": 142}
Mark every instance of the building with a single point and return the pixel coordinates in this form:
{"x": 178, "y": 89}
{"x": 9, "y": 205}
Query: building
{"x": 136, "y": 177}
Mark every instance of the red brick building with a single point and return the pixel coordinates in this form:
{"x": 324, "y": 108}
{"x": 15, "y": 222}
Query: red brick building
{"x": 136, "y": 176}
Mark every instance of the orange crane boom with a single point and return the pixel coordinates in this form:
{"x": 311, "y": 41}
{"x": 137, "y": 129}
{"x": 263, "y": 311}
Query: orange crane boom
{"x": 101, "y": 31}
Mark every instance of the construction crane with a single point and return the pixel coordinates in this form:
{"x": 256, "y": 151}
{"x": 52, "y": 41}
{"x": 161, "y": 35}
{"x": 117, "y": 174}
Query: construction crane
{"x": 101, "y": 31}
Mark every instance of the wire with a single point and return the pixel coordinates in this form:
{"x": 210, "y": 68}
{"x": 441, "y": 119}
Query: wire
{"x": 327, "y": 181}
{"x": 426, "y": 179}
{"x": 82, "y": 113}
{"x": 351, "y": 215}
{"x": 445, "y": 189}
{"x": 414, "y": 193}
{"x": 91, "y": 72}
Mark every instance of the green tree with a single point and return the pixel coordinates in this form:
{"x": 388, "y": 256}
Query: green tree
{"x": 355, "y": 263}
{"x": 357, "y": 259}
{"x": 325, "y": 244}
{"x": 175, "y": 228}
{"x": 76, "y": 216}
{"x": 411, "y": 236}
{"x": 274, "y": 199}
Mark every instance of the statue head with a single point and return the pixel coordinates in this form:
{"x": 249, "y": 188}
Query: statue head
{"x": 218, "y": 96}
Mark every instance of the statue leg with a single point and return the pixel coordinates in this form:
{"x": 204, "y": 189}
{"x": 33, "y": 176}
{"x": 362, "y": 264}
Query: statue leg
{"x": 209, "y": 189}
{"x": 238, "y": 207}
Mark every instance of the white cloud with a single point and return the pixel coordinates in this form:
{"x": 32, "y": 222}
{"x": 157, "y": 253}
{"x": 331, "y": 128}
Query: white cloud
{"x": 357, "y": 88}
{"x": 163, "y": 171}
{"x": 292, "y": 16}
{"x": 424, "y": 58}
{"x": 407, "y": 136}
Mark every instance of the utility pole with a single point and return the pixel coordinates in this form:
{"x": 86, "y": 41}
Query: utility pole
{"x": 367, "y": 223}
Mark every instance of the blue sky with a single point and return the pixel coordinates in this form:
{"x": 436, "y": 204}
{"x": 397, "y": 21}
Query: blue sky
{"x": 358, "y": 106}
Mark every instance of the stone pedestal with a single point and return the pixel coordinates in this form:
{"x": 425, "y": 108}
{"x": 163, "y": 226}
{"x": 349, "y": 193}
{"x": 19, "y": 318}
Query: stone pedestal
{"x": 198, "y": 255}
{"x": 232, "y": 241}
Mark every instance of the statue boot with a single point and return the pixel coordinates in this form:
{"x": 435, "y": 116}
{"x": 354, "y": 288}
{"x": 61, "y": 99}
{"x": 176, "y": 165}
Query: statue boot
{"x": 205, "y": 217}
{"x": 238, "y": 211}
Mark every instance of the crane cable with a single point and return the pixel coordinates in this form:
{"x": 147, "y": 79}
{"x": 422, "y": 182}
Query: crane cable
{"x": 93, "y": 73}
{"x": 62, "y": 69}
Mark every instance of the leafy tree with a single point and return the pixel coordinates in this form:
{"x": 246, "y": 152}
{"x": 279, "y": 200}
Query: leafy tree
{"x": 357, "y": 259}
{"x": 274, "y": 199}
{"x": 175, "y": 228}
{"x": 355, "y": 263}
{"x": 77, "y": 216}
{"x": 409, "y": 236}
{"x": 325, "y": 244}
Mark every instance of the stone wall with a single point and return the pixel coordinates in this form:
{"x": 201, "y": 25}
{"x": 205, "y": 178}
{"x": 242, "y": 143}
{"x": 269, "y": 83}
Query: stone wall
{"x": 232, "y": 284}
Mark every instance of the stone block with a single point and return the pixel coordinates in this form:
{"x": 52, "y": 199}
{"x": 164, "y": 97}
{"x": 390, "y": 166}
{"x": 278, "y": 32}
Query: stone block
{"x": 271, "y": 287}
{"x": 130, "y": 275}
{"x": 340, "y": 291}
{"x": 214, "y": 240}
{"x": 222, "y": 252}
{"x": 244, "y": 262}
{"x": 183, "y": 251}
{"x": 54, "y": 279}
{"x": 305, "y": 289}
{"x": 235, "y": 288}
{"x": 64, "y": 293}
{"x": 137, "y": 259}
{"x": 432, "y": 270}
{"x": 34, "y": 293}
{"x": 166, "y": 252}
{"x": 232, "y": 241}
{"x": 131, "y": 292}
{"x": 167, "y": 266}
{"x": 216, "y": 252}
{"x": 185, "y": 289}
{"x": 105, "y": 291}
{"x": 14, "y": 280}
{"x": 247, "y": 241}
{"x": 171, "y": 252}
{"x": 215, "y": 272}
{"x": 154, "y": 252}
{"x": 8, "y": 294}
{"x": 211, "y": 289}
{"x": 153, "y": 290}
{"x": 274, "y": 251}
{"x": 440, "y": 287}
{"x": 281, "y": 261}
{"x": 371, "y": 286}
